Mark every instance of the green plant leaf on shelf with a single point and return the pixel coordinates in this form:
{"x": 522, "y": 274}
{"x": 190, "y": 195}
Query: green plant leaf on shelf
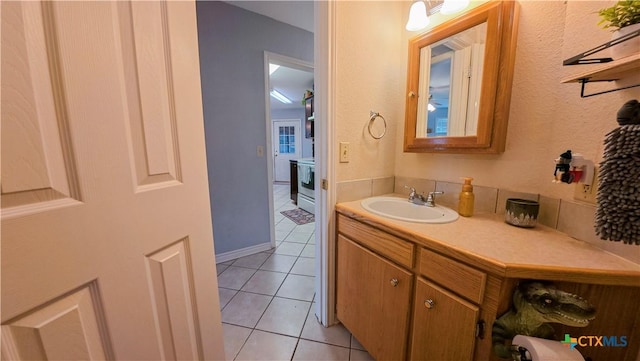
{"x": 620, "y": 15}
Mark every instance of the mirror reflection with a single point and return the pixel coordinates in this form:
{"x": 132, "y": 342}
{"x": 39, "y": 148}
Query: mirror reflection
{"x": 450, "y": 79}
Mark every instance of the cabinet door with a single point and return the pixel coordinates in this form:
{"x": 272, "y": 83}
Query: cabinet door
{"x": 373, "y": 297}
{"x": 444, "y": 324}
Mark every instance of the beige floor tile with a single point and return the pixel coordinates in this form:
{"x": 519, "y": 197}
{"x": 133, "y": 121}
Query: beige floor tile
{"x": 253, "y": 261}
{"x": 356, "y": 344}
{"x": 285, "y": 225}
{"x": 220, "y": 268}
{"x": 265, "y": 282}
{"x": 245, "y": 309}
{"x": 279, "y": 263}
{"x": 296, "y": 237}
{"x": 290, "y": 249}
{"x": 307, "y": 228}
{"x": 235, "y": 277}
{"x": 309, "y": 251}
{"x": 314, "y": 351}
{"x": 298, "y": 287}
{"x": 284, "y": 316}
{"x": 267, "y": 346}
{"x": 281, "y": 235}
{"x": 225, "y": 296}
{"x": 335, "y": 335}
{"x": 234, "y": 339}
{"x": 304, "y": 266}
{"x": 357, "y": 355}
{"x": 312, "y": 239}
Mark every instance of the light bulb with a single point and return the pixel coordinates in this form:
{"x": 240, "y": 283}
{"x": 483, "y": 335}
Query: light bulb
{"x": 417, "y": 16}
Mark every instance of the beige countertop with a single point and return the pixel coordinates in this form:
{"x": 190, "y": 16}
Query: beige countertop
{"x": 487, "y": 242}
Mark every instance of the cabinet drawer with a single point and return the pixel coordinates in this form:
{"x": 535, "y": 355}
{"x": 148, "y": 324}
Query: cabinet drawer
{"x": 391, "y": 247}
{"x": 460, "y": 278}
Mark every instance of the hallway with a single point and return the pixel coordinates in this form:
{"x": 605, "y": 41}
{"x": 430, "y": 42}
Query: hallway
{"x": 267, "y": 300}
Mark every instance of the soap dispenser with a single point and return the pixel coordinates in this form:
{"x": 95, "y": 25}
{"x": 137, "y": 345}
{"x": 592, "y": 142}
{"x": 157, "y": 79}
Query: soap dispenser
{"x": 465, "y": 205}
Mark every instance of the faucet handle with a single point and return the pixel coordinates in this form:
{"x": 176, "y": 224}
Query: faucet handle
{"x": 412, "y": 191}
{"x": 431, "y": 198}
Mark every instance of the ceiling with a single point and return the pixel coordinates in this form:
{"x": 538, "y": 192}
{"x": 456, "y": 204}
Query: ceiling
{"x": 292, "y": 83}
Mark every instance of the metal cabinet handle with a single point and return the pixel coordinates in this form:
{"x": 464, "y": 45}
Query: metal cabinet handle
{"x": 394, "y": 282}
{"x": 429, "y": 304}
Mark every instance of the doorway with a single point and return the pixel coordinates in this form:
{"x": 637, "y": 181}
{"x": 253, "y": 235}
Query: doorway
{"x": 286, "y": 147}
{"x": 293, "y": 79}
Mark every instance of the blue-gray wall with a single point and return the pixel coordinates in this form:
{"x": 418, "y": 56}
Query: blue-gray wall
{"x": 232, "y": 42}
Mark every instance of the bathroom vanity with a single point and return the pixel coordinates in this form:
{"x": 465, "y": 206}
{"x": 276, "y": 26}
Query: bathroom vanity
{"x": 433, "y": 291}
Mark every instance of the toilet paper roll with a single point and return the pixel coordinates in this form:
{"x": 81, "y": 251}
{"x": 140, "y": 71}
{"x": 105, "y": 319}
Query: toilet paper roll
{"x": 547, "y": 350}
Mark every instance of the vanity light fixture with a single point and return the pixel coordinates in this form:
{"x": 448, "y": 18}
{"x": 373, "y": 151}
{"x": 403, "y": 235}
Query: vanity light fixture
{"x": 417, "y": 16}
{"x": 453, "y": 6}
{"x": 283, "y": 99}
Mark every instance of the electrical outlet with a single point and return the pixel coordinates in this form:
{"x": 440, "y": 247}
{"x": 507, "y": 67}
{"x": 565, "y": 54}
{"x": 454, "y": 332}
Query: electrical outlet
{"x": 344, "y": 152}
{"x": 587, "y": 193}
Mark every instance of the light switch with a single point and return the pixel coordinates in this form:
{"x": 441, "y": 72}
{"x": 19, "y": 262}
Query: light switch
{"x": 260, "y": 151}
{"x": 344, "y": 152}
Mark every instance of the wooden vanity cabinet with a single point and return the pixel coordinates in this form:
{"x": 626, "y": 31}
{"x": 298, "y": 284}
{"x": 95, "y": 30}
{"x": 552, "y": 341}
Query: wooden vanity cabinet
{"x": 443, "y": 306}
{"x": 444, "y": 325}
{"x": 377, "y": 301}
{"x": 373, "y": 300}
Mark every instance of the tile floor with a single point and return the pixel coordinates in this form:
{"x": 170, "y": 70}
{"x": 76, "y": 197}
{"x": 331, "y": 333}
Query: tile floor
{"x": 267, "y": 300}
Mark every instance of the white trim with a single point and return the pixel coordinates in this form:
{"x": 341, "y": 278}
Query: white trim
{"x": 248, "y": 251}
{"x": 324, "y": 102}
{"x": 270, "y": 57}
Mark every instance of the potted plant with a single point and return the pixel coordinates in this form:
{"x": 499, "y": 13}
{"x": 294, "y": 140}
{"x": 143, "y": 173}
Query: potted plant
{"x": 623, "y": 18}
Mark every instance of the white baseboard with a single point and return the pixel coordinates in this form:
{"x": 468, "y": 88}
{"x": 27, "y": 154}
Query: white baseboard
{"x": 231, "y": 255}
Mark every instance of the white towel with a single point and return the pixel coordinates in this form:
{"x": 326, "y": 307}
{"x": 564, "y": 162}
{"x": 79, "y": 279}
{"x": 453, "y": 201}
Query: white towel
{"x": 305, "y": 174}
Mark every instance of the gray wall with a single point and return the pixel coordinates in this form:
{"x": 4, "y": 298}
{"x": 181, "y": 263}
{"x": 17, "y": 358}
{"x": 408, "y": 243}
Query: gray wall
{"x": 232, "y": 42}
{"x": 296, "y": 114}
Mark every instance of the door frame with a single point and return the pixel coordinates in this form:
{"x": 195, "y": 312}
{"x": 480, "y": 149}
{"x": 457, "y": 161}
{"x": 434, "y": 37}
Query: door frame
{"x": 290, "y": 62}
{"x": 324, "y": 41}
{"x": 298, "y": 140}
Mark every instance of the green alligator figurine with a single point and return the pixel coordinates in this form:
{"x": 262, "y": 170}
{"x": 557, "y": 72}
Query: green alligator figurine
{"x": 535, "y": 303}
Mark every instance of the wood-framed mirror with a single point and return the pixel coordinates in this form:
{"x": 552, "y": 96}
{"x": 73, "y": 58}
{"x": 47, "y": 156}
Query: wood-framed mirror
{"x": 459, "y": 79}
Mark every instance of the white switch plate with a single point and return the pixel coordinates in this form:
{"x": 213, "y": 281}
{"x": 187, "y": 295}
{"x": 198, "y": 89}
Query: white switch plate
{"x": 260, "y": 151}
{"x": 344, "y": 152}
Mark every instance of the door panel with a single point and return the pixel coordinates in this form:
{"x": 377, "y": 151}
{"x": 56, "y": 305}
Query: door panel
{"x": 371, "y": 292}
{"x": 107, "y": 247}
{"x": 37, "y": 159}
{"x": 444, "y": 324}
{"x": 150, "y": 92}
{"x": 287, "y": 146}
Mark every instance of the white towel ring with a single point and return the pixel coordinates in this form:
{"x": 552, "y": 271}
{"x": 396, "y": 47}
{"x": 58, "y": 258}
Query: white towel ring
{"x": 372, "y": 118}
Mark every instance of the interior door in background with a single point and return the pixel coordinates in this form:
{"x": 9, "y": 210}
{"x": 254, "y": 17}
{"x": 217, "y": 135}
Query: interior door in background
{"x": 287, "y": 144}
{"x": 107, "y": 247}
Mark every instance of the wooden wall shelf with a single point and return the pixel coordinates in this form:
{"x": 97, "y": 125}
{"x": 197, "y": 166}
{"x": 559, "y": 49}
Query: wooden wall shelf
{"x": 614, "y": 70}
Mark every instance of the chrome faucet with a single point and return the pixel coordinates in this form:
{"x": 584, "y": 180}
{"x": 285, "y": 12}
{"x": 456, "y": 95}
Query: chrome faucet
{"x": 429, "y": 200}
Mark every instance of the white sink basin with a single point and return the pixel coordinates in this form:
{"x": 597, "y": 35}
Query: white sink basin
{"x": 403, "y": 210}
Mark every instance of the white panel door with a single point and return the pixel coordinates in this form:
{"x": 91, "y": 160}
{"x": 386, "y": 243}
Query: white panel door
{"x": 107, "y": 246}
{"x": 287, "y": 146}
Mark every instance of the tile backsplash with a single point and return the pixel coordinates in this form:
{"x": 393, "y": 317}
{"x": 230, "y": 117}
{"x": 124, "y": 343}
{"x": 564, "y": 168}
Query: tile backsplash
{"x": 574, "y": 218}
